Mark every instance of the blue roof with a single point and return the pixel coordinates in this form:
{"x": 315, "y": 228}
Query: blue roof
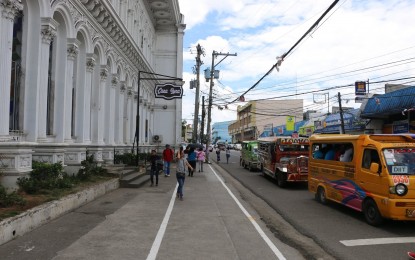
{"x": 350, "y": 113}
{"x": 390, "y": 103}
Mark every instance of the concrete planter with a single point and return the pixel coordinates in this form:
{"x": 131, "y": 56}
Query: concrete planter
{"x": 36, "y": 217}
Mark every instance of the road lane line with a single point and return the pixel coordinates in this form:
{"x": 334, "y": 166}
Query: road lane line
{"x": 250, "y": 218}
{"x": 378, "y": 241}
{"x": 162, "y": 230}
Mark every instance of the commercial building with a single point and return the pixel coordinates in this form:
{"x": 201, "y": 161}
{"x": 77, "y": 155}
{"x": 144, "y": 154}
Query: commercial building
{"x": 220, "y": 132}
{"x": 256, "y": 117}
{"x": 71, "y": 68}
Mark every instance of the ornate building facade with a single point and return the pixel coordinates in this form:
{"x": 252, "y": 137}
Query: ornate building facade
{"x": 69, "y": 81}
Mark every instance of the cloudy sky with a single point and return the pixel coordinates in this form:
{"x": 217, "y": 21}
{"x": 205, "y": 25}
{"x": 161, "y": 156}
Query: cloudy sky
{"x": 357, "y": 40}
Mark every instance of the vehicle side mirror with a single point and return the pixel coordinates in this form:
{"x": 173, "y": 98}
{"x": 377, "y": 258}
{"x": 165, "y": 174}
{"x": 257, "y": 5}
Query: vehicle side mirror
{"x": 374, "y": 167}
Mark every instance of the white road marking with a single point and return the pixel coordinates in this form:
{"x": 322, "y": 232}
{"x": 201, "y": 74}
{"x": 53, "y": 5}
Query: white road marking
{"x": 378, "y": 241}
{"x": 160, "y": 234}
{"x": 257, "y": 227}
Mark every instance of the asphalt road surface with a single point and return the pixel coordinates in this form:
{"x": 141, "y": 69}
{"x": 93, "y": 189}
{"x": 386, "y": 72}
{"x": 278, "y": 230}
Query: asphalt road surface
{"x": 341, "y": 231}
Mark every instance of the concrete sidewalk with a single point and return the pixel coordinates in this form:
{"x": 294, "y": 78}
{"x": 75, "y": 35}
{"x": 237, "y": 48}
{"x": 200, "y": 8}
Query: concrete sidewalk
{"x": 150, "y": 223}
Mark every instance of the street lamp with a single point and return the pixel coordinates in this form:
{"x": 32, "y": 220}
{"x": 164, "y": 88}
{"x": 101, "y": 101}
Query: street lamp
{"x": 167, "y": 91}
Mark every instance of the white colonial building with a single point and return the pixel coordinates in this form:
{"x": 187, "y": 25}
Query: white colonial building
{"x": 69, "y": 79}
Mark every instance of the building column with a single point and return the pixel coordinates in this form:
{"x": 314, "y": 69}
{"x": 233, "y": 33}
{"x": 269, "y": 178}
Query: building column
{"x": 72, "y": 52}
{"x": 141, "y": 126}
{"x": 101, "y": 106}
{"x": 151, "y": 124}
{"x": 110, "y": 108}
{"x": 134, "y": 117}
{"x": 128, "y": 119}
{"x": 48, "y": 33}
{"x": 8, "y": 9}
{"x": 84, "y": 127}
{"x": 117, "y": 112}
{"x": 121, "y": 116}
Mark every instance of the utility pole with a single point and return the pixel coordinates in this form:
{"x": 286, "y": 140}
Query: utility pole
{"x": 202, "y": 127}
{"x": 196, "y": 117}
{"x": 212, "y": 70}
{"x": 341, "y": 114}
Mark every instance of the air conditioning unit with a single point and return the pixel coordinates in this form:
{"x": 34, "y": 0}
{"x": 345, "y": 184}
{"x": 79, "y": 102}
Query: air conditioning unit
{"x": 157, "y": 138}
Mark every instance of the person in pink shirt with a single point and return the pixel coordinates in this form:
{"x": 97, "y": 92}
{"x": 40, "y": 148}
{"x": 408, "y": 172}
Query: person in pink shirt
{"x": 201, "y": 156}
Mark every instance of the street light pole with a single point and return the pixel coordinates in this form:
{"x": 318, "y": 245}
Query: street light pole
{"x": 137, "y": 125}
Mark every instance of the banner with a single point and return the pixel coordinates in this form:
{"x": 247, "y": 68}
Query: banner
{"x": 289, "y": 125}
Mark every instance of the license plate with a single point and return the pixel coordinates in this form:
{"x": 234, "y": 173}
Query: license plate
{"x": 410, "y": 213}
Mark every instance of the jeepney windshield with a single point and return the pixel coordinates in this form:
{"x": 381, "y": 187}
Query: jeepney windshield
{"x": 255, "y": 149}
{"x": 400, "y": 161}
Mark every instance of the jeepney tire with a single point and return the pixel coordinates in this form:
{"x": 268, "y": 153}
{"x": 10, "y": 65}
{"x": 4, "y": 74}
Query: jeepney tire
{"x": 281, "y": 179}
{"x": 371, "y": 212}
{"x": 321, "y": 195}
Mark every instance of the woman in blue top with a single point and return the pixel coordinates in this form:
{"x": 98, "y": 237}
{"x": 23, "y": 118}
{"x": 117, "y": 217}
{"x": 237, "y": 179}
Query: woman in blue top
{"x": 191, "y": 158}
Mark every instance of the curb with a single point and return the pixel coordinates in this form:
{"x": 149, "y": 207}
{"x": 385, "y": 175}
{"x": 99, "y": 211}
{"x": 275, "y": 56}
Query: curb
{"x": 19, "y": 225}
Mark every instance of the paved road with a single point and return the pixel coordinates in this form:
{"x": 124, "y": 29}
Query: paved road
{"x": 333, "y": 227}
{"x": 215, "y": 221}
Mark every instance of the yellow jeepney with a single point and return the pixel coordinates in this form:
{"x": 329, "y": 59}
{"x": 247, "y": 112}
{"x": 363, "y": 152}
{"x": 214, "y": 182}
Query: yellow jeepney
{"x": 374, "y": 174}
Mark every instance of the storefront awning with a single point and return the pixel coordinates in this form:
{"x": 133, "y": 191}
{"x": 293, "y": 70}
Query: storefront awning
{"x": 382, "y": 106}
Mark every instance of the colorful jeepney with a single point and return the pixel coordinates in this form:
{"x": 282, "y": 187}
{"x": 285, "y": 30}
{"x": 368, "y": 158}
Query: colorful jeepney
{"x": 284, "y": 158}
{"x": 249, "y": 155}
{"x": 374, "y": 174}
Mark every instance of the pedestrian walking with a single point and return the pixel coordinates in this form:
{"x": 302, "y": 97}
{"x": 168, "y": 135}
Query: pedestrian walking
{"x": 181, "y": 172}
{"x": 201, "y": 157}
{"x": 155, "y": 168}
{"x": 217, "y": 154}
{"x": 191, "y": 158}
{"x": 228, "y": 154}
{"x": 167, "y": 159}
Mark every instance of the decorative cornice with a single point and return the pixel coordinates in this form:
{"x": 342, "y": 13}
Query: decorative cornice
{"x": 122, "y": 87}
{"x": 129, "y": 92}
{"x": 114, "y": 80}
{"x": 90, "y": 64}
{"x": 72, "y": 51}
{"x": 103, "y": 74}
{"x": 10, "y": 8}
{"x": 48, "y": 30}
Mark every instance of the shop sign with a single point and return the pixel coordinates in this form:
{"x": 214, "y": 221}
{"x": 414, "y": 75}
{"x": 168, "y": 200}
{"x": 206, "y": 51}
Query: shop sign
{"x": 400, "y": 127}
{"x": 168, "y": 91}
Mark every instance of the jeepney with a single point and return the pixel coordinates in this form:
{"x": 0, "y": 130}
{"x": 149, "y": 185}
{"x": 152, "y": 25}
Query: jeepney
{"x": 284, "y": 158}
{"x": 373, "y": 174}
{"x": 249, "y": 155}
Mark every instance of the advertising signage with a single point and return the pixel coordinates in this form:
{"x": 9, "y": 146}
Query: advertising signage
{"x": 360, "y": 88}
{"x": 168, "y": 91}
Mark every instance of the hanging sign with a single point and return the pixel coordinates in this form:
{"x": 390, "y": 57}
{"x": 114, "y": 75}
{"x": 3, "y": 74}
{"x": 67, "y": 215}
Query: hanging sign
{"x": 168, "y": 91}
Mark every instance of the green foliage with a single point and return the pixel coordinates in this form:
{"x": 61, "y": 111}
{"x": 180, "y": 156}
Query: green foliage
{"x": 126, "y": 158}
{"x": 45, "y": 176}
{"x": 89, "y": 169}
{"x": 130, "y": 158}
{"x": 9, "y": 199}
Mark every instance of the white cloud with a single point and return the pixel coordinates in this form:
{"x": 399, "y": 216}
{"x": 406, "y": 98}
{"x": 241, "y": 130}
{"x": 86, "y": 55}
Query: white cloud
{"x": 355, "y": 34}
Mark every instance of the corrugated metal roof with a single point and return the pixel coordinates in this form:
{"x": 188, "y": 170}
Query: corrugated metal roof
{"x": 390, "y": 103}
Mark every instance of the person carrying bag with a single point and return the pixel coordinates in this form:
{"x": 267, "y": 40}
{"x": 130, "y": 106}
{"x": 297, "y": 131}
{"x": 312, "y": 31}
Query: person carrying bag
{"x": 181, "y": 172}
